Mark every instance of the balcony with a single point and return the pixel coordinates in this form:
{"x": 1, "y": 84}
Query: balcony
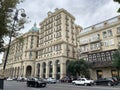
{"x": 96, "y": 64}
{"x": 95, "y": 49}
{"x": 85, "y": 51}
{"x": 58, "y": 17}
{"x": 83, "y": 43}
{"x": 95, "y": 40}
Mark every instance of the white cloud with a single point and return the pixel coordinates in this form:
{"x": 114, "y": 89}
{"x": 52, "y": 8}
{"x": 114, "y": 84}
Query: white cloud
{"x": 86, "y": 12}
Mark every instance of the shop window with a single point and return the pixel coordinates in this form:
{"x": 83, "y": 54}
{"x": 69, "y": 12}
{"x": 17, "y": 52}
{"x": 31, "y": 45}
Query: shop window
{"x": 114, "y": 73}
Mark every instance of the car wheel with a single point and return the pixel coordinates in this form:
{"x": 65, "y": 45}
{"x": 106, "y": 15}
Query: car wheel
{"x": 28, "y": 85}
{"x": 109, "y": 84}
{"x": 35, "y": 84}
{"x": 95, "y": 84}
{"x": 73, "y": 83}
{"x": 85, "y": 84}
{"x": 43, "y": 85}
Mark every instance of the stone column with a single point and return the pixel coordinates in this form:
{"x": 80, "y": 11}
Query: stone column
{"x": 62, "y": 70}
{"x": 47, "y": 70}
{"x": 54, "y": 70}
{"x": 36, "y": 70}
{"x": 24, "y": 71}
{"x": 33, "y": 69}
{"x": 41, "y": 71}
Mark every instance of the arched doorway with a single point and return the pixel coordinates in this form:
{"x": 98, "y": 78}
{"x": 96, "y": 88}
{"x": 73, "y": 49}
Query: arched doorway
{"x": 44, "y": 69}
{"x": 38, "y": 70}
{"x": 57, "y": 69}
{"x": 28, "y": 71}
{"x": 50, "y": 69}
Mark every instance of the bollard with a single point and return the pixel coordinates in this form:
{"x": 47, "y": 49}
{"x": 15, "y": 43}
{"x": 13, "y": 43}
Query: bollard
{"x": 1, "y": 84}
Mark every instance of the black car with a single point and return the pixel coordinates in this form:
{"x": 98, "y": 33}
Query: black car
{"x": 35, "y": 82}
{"x": 105, "y": 81}
{"x": 66, "y": 79}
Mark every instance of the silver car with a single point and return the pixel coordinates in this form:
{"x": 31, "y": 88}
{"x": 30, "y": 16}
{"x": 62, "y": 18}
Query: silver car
{"x": 51, "y": 80}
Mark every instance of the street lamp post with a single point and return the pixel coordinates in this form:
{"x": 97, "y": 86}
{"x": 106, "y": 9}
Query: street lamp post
{"x": 10, "y": 36}
{"x": 11, "y": 32}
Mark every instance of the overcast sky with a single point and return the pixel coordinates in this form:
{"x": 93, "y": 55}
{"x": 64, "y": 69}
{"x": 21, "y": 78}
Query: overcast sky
{"x": 86, "y": 12}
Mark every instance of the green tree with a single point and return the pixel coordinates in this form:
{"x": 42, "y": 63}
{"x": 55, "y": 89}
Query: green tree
{"x": 119, "y": 3}
{"x": 116, "y": 61}
{"x": 78, "y": 68}
{"x": 70, "y": 68}
{"x": 6, "y": 18}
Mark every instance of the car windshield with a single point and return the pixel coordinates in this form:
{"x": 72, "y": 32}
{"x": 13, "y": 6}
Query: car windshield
{"x": 40, "y": 79}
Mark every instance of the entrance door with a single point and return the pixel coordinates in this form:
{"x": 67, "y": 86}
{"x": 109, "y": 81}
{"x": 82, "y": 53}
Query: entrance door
{"x": 99, "y": 74}
{"x": 28, "y": 71}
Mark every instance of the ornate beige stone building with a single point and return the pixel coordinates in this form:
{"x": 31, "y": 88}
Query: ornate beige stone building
{"x": 44, "y": 52}
{"x": 97, "y": 44}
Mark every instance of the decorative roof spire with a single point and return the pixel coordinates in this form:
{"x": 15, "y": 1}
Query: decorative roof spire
{"x": 35, "y": 24}
{"x": 34, "y": 28}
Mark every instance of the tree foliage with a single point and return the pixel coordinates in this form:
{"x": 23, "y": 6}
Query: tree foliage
{"x": 116, "y": 61}
{"x": 6, "y": 18}
{"x": 119, "y": 3}
{"x": 78, "y": 68}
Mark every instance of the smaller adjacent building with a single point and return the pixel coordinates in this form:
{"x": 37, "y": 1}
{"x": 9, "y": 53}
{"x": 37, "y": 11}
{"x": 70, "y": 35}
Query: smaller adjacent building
{"x": 97, "y": 44}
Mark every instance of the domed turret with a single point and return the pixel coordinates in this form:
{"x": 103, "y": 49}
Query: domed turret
{"x": 34, "y": 28}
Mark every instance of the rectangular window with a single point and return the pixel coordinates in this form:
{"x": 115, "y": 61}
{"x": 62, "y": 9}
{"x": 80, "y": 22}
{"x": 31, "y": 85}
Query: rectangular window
{"x": 106, "y": 43}
{"x": 104, "y": 34}
{"x": 30, "y": 55}
{"x": 111, "y": 42}
{"x": 110, "y": 33}
{"x": 118, "y": 30}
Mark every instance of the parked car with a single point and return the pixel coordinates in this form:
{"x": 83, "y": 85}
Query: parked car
{"x": 66, "y": 79}
{"x": 14, "y": 78}
{"x": 9, "y": 79}
{"x": 51, "y": 80}
{"x": 105, "y": 81}
{"x": 35, "y": 82}
{"x": 21, "y": 79}
{"x": 115, "y": 80}
{"x": 83, "y": 81}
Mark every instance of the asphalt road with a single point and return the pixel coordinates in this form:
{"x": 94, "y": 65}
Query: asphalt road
{"x": 13, "y": 85}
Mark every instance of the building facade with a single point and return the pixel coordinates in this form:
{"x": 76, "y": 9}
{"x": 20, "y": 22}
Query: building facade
{"x": 44, "y": 52}
{"x": 97, "y": 44}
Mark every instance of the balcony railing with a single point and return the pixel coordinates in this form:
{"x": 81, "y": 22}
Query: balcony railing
{"x": 83, "y": 43}
{"x": 96, "y": 64}
{"x": 95, "y": 49}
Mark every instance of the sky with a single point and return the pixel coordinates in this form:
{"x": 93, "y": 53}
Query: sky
{"x": 86, "y": 12}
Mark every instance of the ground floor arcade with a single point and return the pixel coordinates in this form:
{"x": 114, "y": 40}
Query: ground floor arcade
{"x": 55, "y": 68}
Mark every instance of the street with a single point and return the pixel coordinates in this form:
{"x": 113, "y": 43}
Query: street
{"x": 14, "y": 85}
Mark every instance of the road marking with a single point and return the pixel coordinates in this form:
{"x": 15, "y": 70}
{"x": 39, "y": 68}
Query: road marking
{"x": 84, "y": 87}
